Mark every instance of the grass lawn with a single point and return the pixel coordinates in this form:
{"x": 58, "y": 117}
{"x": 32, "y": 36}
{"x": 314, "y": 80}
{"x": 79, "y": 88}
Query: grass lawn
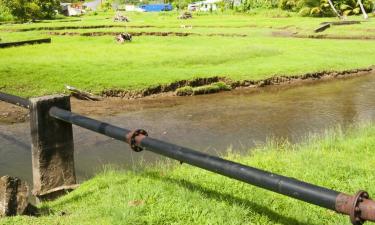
{"x": 170, "y": 193}
{"x": 98, "y": 63}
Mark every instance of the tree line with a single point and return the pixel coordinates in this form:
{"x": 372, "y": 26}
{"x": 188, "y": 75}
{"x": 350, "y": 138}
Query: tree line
{"x": 26, "y": 10}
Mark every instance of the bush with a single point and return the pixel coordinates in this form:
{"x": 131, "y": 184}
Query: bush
{"x": 253, "y": 4}
{"x": 25, "y": 10}
{"x": 351, "y": 7}
{"x": 316, "y": 8}
{"x": 290, "y": 5}
{"x": 5, "y": 14}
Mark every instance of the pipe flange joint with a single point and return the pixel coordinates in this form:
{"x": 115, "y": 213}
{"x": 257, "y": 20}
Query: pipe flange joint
{"x": 355, "y": 212}
{"x": 133, "y": 142}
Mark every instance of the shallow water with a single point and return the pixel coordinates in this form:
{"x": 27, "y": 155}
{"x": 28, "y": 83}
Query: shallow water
{"x": 212, "y": 123}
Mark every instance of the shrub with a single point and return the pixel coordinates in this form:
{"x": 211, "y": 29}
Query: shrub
{"x": 317, "y": 8}
{"x": 290, "y": 5}
{"x": 5, "y": 14}
{"x": 351, "y": 7}
{"x": 31, "y": 9}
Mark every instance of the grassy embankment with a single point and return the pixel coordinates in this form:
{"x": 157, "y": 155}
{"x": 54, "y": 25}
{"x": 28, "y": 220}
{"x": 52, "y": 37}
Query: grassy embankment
{"x": 181, "y": 194}
{"x": 98, "y": 63}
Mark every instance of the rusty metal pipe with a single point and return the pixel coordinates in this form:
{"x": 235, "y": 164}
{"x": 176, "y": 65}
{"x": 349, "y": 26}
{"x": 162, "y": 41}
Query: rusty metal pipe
{"x": 358, "y": 207}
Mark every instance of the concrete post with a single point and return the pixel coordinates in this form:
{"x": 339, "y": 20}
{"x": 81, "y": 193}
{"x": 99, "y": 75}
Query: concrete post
{"x": 52, "y": 149}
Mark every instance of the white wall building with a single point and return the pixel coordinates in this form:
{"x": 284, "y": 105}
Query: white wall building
{"x": 205, "y": 6}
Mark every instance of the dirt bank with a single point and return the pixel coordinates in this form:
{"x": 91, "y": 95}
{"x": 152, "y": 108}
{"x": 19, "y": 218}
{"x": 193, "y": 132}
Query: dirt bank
{"x": 77, "y": 27}
{"x": 274, "y": 80}
{"x": 291, "y": 34}
{"x": 161, "y": 34}
{"x": 117, "y": 101}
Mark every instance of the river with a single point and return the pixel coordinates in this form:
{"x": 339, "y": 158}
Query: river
{"x": 240, "y": 120}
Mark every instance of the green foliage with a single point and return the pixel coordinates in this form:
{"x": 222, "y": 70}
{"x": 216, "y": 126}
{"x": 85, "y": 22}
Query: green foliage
{"x": 351, "y": 7}
{"x": 5, "y": 14}
{"x": 247, "y": 5}
{"x": 290, "y": 5}
{"x": 106, "y": 5}
{"x": 180, "y": 4}
{"x": 321, "y": 8}
{"x": 25, "y": 10}
{"x": 222, "y": 86}
{"x": 316, "y": 8}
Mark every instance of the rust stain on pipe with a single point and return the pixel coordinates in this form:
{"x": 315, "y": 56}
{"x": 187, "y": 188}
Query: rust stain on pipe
{"x": 134, "y": 139}
{"x": 138, "y": 139}
{"x": 359, "y": 207}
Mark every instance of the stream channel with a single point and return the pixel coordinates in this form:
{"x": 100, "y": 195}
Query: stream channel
{"x": 239, "y": 119}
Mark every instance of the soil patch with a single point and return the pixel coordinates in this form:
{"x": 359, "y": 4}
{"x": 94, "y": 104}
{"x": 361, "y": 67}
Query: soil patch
{"x": 161, "y": 34}
{"x": 284, "y": 33}
{"x": 79, "y": 27}
{"x": 336, "y": 37}
{"x": 28, "y": 42}
{"x": 161, "y": 88}
{"x": 12, "y": 114}
{"x": 96, "y": 34}
{"x": 320, "y": 36}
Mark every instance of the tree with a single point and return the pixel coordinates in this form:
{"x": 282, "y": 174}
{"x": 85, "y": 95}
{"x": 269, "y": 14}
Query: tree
{"x": 5, "y": 14}
{"x": 25, "y": 10}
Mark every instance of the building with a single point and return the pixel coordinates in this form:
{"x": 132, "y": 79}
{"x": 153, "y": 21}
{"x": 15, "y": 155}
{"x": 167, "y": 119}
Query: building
{"x": 205, "y": 6}
{"x": 71, "y": 9}
{"x": 156, "y": 7}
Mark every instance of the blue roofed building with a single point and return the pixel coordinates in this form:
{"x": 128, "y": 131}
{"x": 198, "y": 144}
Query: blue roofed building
{"x": 156, "y": 7}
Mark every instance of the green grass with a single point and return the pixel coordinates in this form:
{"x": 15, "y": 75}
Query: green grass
{"x": 170, "y": 193}
{"x": 98, "y": 63}
{"x": 205, "y": 89}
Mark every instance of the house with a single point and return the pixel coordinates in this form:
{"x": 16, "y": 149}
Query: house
{"x": 133, "y": 8}
{"x": 205, "y": 6}
{"x": 70, "y": 9}
{"x": 156, "y": 7}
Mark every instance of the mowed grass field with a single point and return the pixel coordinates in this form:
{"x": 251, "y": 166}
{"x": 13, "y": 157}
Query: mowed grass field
{"x": 255, "y": 47}
{"x": 171, "y": 193}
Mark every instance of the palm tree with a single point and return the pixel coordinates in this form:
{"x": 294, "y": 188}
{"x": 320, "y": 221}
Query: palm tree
{"x": 365, "y": 16}
{"x": 334, "y": 9}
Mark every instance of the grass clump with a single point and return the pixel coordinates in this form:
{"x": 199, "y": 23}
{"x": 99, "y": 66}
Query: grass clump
{"x": 206, "y": 89}
{"x": 171, "y": 193}
{"x": 211, "y": 88}
{"x": 184, "y": 91}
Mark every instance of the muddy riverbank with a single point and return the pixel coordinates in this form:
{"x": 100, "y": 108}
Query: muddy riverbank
{"x": 117, "y": 101}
